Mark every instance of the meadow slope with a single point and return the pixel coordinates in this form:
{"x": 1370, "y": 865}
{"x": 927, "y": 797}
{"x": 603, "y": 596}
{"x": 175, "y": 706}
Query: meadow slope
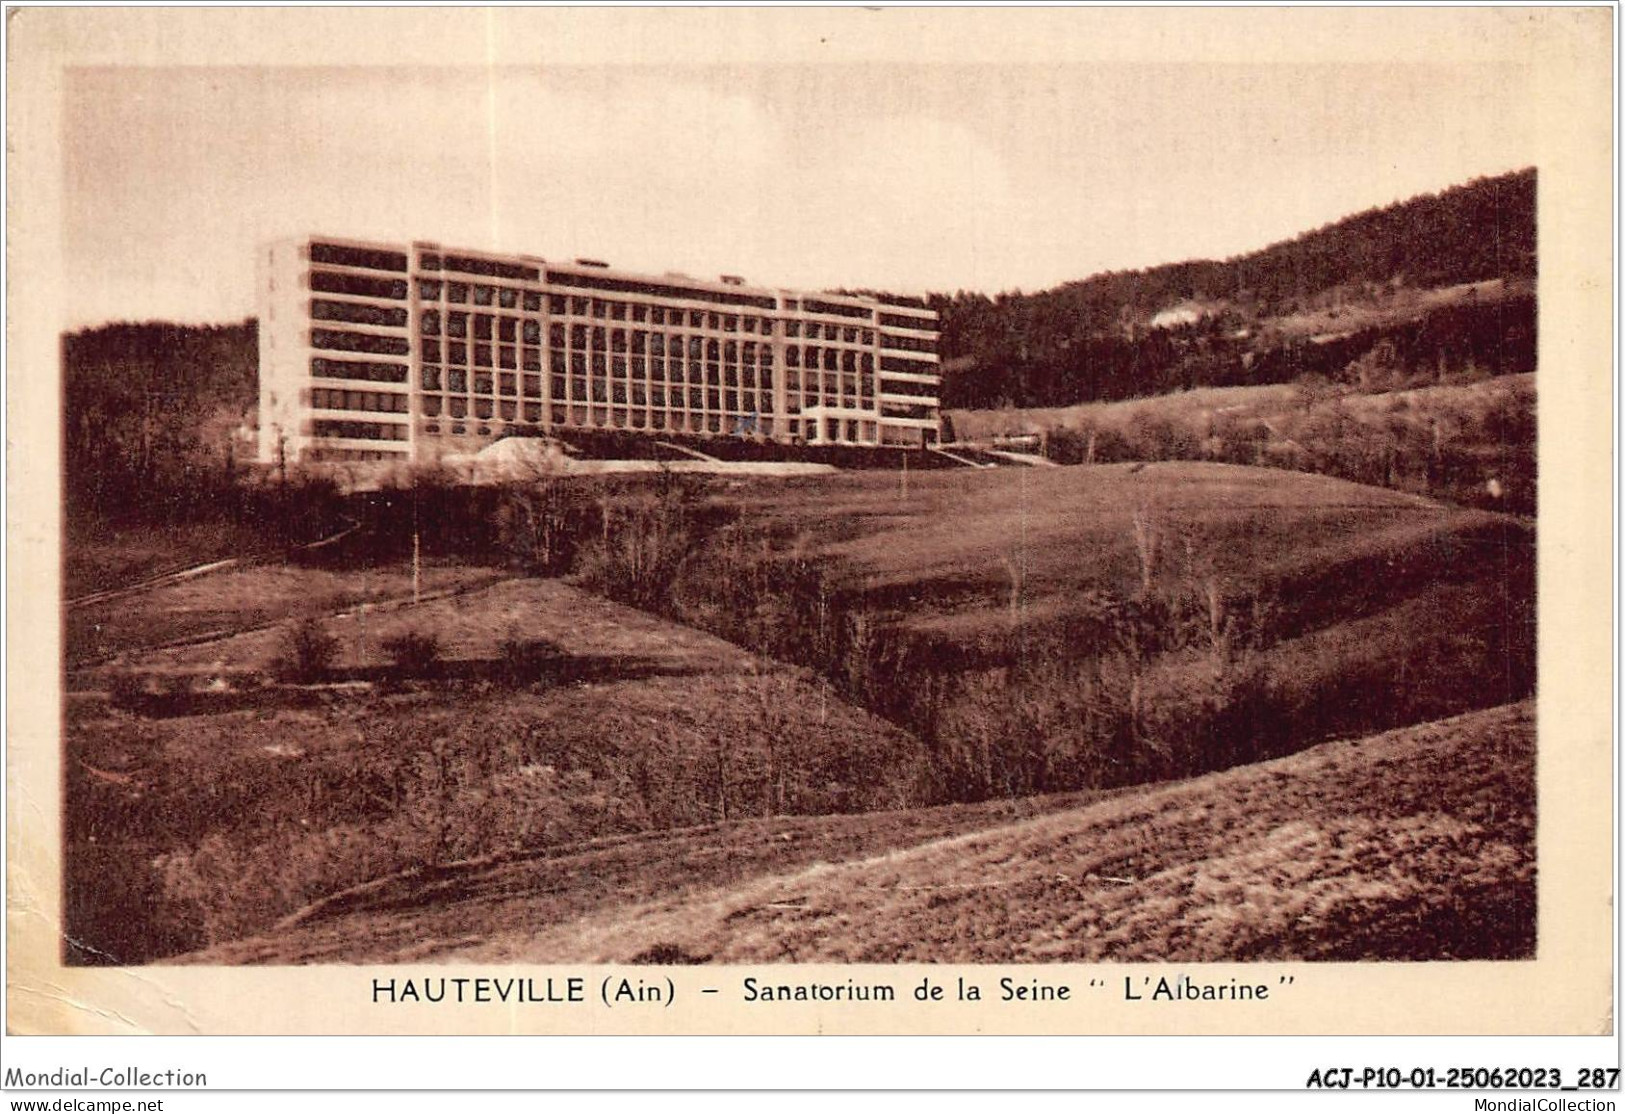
{"x": 1417, "y": 844}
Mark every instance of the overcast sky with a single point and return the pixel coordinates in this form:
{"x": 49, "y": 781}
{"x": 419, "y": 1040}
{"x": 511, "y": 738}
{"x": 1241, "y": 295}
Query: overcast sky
{"x": 908, "y": 176}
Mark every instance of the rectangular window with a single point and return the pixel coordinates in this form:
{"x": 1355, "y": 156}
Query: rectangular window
{"x": 482, "y": 326}
{"x": 366, "y": 286}
{"x": 482, "y": 297}
{"x": 617, "y": 311}
{"x": 507, "y": 329}
{"x": 482, "y": 382}
{"x": 456, "y": 324}
{"x": 429, "y": 323}
{"x": 359, "y": 342}
{"x": 357, "y": 369}
{"x": 508, "y": 297}
{"x": 505, "y": 357}
{"x": 508, "y": 384}
{"x": 533, "y": 332}
{"x": 431, "y": 379}
{"x": 457, "y": 292}
{"x": 456, "y": 381}
{"x": 370, "y": 258}
{"x": 533, "y": 301}
{"x": 429, "y": 289}
{"x": 456, "y": 352}
{"x": 557, "y": 304}
{"x": 482, "y": 355}
{"x": 533, "y": 386}
{"x": 531, "y": 360}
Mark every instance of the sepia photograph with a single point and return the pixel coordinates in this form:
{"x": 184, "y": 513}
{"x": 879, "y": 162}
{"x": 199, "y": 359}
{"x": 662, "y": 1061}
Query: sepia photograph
{"x": 680, "y": 512}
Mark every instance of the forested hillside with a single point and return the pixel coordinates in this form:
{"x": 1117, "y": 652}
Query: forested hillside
{"x": 1305, "y": 307}
{"x": 152, "y": 413}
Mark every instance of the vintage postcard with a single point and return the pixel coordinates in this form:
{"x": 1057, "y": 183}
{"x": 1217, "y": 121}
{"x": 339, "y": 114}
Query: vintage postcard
{"x": 778, "y": 521}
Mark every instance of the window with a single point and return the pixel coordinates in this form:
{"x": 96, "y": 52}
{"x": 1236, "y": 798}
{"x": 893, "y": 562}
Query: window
{"x": 482, "y": 382}
{"x": 458, "y": 407}
{"x": 456, "y": 352}
{"x": 431, "y": 379}
{"x": 456, "y": 324}
{"x": 359, "y": 342}
{"x": 532, "y": 360}
{"x": 429, "y": 290}
{"x": 482, "y": 295}
{"x": 457, "y": 292}
{"x": 617, "y": 311}
{"x": 431, "y": 406}
{"x": 482, "y": 355}
{"x": 429, "y": 322}
{"x": 507, "y": 329}
{"x": 533, "y": 386}
{"x": 482, "y": 326}
{"x": 456, "y": 380}
{"x": 533, "y": 301}
{"x": 505, "y": 357}
{"x": 533, "y": 332}
{"x": 507, "y": 297}
{"x": 369, "y": 258}
{"x": 557, "y": 304}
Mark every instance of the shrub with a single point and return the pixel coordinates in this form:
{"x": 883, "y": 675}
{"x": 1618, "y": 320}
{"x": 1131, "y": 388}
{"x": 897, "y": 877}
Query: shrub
{"x": 413, "y": 654}
{"x": 307, "y": 652}
{"x": 527, "y": 660}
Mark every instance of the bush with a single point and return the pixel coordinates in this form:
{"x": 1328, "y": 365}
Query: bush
{"x": 527, "y": 660}
{"x": 307, "y": 652}
{"x": 413, "y": 654}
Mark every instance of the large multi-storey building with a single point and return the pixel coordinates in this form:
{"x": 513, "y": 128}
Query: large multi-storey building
{"x": 375, "y": 351}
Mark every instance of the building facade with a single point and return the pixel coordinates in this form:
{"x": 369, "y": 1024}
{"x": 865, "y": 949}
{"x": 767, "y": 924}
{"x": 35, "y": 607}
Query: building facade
{"x": 382, "y": 352}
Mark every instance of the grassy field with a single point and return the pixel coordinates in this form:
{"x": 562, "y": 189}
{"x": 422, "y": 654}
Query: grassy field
{"x": 217, "y": 825}
{"x": 218, "y": 606}
{"x": 1047, "y": 629}
{"x": 1417, "y": 844}
{"x": 1470, "y": 442}
{"x": 858, "y": 644}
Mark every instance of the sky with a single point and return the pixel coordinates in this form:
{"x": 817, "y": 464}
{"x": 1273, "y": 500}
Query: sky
{"x": 904, "y": 175}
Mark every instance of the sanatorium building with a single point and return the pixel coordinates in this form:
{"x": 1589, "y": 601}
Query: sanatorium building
{"x": 381, "y": 352}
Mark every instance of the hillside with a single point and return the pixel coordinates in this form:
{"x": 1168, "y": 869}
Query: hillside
{"x": 1471, "y": 442}
{"x": 1046, "y": 629}
{"x": 1417, "y": 844}
{"x": 1446, "y": 280}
